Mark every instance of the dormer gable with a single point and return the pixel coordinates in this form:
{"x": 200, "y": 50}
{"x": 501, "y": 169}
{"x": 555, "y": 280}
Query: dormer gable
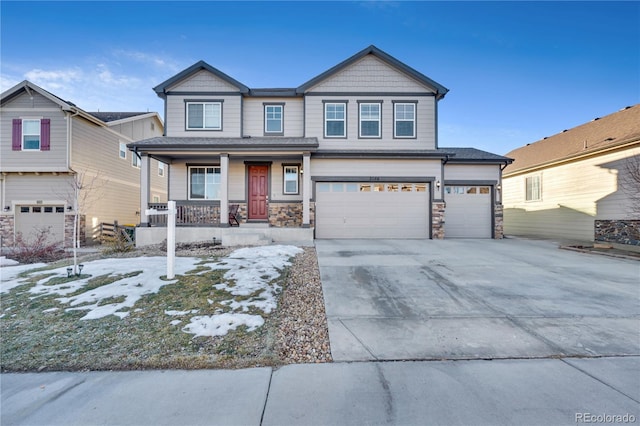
{"x": 372, "y": 67}
{"x": 200, "y": 77}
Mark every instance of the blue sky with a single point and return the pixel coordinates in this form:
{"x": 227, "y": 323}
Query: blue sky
{"x": 517, "y": 71}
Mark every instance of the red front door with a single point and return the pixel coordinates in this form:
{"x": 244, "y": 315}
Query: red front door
{"x": 258, "y": 194}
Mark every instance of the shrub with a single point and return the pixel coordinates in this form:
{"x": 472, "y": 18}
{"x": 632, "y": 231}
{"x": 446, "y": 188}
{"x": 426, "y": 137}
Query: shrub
{"x": 39, "y": 248}
{"x": 118, "y": 243}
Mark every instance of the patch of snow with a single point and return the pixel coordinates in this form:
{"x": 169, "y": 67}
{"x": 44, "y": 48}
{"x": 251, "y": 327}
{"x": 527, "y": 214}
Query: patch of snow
{"x": 50, "y": 310}
{"x": 7, "y": 262}
{"x": 9, "y": 275}
{"x": 220, "y": 325}
{"x": 249, "y": 272}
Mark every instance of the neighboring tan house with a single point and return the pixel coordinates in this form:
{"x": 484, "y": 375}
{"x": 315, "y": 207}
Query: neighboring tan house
{"x": 47, "y": 144}
{"x": 352, "y": 153}
{"x": 576, "y": 185}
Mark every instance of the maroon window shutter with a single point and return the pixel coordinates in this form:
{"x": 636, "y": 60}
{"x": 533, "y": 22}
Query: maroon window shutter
{"x": 45, "y": 139}
{"x": 16, "y": 136}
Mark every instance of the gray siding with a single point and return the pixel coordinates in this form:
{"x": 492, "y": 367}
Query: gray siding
{"x": 54, "y": 160}
{"x": 37, "y": 189}
{"x": 253, "y": 109}
{"x": 370, "y": 72}
{"x": 471, "y": 172}
{"x": 143, "y": 128}
{"x": 203, "y": 81}
{"x": 425, "y": 123}
{"x": 176, "y": 116}
{"x": 373, "y": 167}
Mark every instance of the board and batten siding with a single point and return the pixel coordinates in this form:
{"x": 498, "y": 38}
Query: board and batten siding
{"x": 231, "y": 116}
{"x": 23, "y": 107}
{"x": 573, "y": 196}
{"x": 293, "y": 111}
{"x": 425, "y": 123}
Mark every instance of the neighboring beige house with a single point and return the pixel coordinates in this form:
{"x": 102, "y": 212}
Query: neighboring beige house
{"x": 352, "y": 153}
{"x": 576, "y": 185}
{"x": 46, "y": 143}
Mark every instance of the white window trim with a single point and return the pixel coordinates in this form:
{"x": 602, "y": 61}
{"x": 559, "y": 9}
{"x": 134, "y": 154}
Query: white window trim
{"x": 135, "y": 161}
{"x": 122, "y": 149}
{"x": 161, "y": 169}
{"x": 39, "y": 120}
{"x": 208, "y": 166}
{"x": 284, "y": 180}
{"x": 379, "y": 120}
{"x": 344, "y": 120}
{"x": 396, "y": 120}
{"x": 203, "y": 103}
{"x": 274, "y": 132}
{"x": 526, "y": 191}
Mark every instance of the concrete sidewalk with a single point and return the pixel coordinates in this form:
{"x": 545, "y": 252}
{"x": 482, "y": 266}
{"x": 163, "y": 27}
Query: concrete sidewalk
{"x": 498, "y": 392}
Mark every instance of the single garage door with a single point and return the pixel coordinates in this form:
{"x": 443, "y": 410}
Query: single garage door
{"x": 30, "y": 219}
{"x": 468, "y": 211}
{"x": 372, "y": 210}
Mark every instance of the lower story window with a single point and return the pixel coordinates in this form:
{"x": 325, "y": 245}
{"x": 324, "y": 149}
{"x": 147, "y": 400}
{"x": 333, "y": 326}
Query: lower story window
{"x": 291, "y": 179}
{"x": 204, "y": 183}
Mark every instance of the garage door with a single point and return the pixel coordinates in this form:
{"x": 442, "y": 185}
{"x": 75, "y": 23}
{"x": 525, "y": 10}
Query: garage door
{"x": 372, "y": 210}
{"x": 468, "y": 212}
{"x": 29, "y": 219}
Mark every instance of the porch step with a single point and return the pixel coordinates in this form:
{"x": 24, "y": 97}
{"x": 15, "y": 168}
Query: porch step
{"x": 247, "y": 236}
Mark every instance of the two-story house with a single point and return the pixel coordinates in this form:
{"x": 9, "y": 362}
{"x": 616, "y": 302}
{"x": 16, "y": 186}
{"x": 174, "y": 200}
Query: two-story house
{"x": 49, "y": 146}
{"x": 352, "y": 153}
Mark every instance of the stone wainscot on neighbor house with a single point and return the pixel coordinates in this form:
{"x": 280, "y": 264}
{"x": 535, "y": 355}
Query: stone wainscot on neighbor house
{"x": 352, "y": 153}
{"x": 46, "y": 141}
{"x": 578, "y": 185}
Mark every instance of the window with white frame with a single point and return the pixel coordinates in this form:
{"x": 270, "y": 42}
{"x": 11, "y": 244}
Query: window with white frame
{"x": 335, "y": 120}
{"x": 122, "y": 152}
{"x": 30, "y": 134}
{"x": 204, "y": 115}
{"x": 290, "y": 180}
{"x": 273, "y": 119}
{"x": 370, "y": 120}
{"x": 204, "y": 183}
{"x": 160, "y": 168}
{"x": 404, "y": 120}
{"x": 533, "y": 190}
{"x": 135, "y": 160}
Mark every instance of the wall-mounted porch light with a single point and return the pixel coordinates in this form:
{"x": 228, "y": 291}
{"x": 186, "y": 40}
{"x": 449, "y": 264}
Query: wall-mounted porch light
{"x": 69, "y": 208}
{"x": 438, "y": 184}
{"x": 498, "y": 187}
{"x": 7, "y": 208}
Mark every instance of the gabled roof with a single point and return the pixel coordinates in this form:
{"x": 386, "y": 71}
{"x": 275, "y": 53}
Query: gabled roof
{"x": 372, "y": 50}
{"x": 115, "y": 116}
{"x": 599, "y": 135}
{"x": 473, "y": 155}
{"x": 27, "y": 86}
{"x": 161, "y": 88}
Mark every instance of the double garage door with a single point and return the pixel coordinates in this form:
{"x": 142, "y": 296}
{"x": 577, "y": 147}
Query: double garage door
{"x": 31, "y": 219}
{"x": 399, "y": 210}
{"x": 372, "y": 210}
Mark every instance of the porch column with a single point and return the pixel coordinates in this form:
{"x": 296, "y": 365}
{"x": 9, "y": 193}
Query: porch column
{"x": 224, "y": 189}
{"x": 306, "y": 190}
{"x": 145, "y": 183}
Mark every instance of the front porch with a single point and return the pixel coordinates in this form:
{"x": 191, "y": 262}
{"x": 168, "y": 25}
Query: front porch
{"x": 201, "y": 221}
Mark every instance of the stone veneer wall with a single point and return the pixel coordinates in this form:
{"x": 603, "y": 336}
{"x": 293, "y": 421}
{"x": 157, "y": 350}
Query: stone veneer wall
{"x": 437, "y": 220}
{"x": 68, "y": 230}
{"x": 618, "y": 231}
{"x": 6, "y": 229}
{"x": 285, "y": 215}
{"x": 498, "y": 221}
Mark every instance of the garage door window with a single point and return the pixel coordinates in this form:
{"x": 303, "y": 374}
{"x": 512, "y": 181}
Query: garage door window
{"x": 421, "y": 187}
{"x": 468, "y": 190}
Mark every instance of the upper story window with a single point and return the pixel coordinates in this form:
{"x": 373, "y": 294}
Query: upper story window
{"x": 31, "y": 134}
{"x": 160, "y": 169}
{"x": 122, "y": 152}
{"x": 135, "y": 160}
{"x": 335, "y": 120}
{"x": 204, "y": 115}
{"x": 204, "y": 183}
{"x": 404, "y": 125}
{"x": 273, "y": 119}
{"x": 370, "y": 120}
{"x": 533, "y": 188}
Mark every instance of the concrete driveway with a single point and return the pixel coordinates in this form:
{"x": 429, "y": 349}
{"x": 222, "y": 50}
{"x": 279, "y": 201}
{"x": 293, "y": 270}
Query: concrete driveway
{"x": 476, "y": 299}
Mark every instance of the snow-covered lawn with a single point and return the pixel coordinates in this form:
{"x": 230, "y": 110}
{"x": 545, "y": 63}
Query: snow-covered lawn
{"x": 248, "y": 281}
